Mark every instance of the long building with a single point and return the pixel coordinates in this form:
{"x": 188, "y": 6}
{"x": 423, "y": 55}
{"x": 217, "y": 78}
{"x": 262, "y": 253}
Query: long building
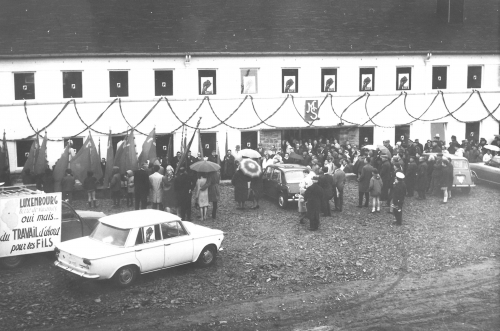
{"x": 258, "y": 71}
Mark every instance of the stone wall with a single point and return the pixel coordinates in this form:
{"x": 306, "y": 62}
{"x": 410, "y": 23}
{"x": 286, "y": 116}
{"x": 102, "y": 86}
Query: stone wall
{"x": 268, "y": 138}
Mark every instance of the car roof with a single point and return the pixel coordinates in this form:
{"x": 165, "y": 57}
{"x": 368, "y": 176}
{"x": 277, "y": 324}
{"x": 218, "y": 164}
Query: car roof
{"x": 288, "y": 167}
{"x": 138, "y": 218}
{"x": 451, "y": 156}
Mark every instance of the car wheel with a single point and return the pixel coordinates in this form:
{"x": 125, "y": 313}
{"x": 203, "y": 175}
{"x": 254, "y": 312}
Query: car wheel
{"x": 126, "y": 275}
{"x": 466, "y": 190}
{"x": 12, "y": 262}
{"x": 207, "y": 257}
{"x": 282, "y": 201}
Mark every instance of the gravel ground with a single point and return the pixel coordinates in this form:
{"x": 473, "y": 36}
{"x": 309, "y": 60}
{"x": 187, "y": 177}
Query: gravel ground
{"x": 266, "y": 252}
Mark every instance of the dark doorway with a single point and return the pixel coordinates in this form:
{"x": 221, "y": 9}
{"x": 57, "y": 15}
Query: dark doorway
{"x": 23, "y": 151}
{"x": 162, "y": 142}
{"x": 437, "y": 129}
{"x": 208, "y": 142}
{"x": 115, "y": 140}
{"x": 366, "y": 136}
{"x": 77, "y": 143}
{"x": 249, "y": 139}
{"x": 472, "y": 131}
{"x": 402, "y": 133}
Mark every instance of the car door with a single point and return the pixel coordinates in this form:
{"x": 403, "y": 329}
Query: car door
{"x": 149, "y": 248}
{"x": 71, "y": 226}
{"x": 177, "y": 244}
{"x": 275, "y": 183}
{"x": 267, "y": 180}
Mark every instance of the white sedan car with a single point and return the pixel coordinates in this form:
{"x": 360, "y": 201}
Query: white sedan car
{"x": 124, "y": 245}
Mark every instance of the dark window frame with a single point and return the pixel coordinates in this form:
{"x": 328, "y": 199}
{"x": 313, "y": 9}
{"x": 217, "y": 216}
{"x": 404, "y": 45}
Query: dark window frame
{"x": 290, "y": 72}
{"x": 23, "y": 89}
{"x": 72, "y": 86}
{"x": 115, "y": 90}
{"x": 164, "y": 84}
{"x": 207, "y": 73}
{"x": 366, "y": 71}
{"x": 328, "y": 71}
{"x": 403, "y": 70}
{"x": 439, "y": 84}
{"x": 474, "y": 83}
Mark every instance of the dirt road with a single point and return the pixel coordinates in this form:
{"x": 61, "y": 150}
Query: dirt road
{"x": 465, "y": 298}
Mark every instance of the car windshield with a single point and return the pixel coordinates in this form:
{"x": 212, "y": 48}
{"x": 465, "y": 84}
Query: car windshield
{"x": 294, "y": 176}
{"x": 110, "y": 235}
{"x": 460, "y": 164}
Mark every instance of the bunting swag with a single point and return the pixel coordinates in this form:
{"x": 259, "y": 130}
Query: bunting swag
{"x": 41, "y": 162}
{"x": 108, "y": 172}
{"x": 60, "y": 167}
{"x": 148, "y": 149}
{"x": 32, "y": 157}
{"x": 87, "y": 159}
{"x": 4, "y": 158}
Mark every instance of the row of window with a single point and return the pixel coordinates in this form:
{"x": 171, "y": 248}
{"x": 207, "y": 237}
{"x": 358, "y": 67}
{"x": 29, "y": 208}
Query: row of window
{"x": 24, "y": 83}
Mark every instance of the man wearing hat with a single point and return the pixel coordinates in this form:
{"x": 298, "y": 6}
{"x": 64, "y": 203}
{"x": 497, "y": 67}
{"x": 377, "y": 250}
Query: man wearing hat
{"x": 435, "y": 147}
{"x": 421, "y": 178}
{"x": 398, "y": 196}
{"x": 385, "y": 171}
{"x": 314, "y": 196}
{"x": 387, "y": 145}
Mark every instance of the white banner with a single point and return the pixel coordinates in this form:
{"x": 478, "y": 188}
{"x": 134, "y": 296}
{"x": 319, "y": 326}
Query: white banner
{"x": 30, "y": 224}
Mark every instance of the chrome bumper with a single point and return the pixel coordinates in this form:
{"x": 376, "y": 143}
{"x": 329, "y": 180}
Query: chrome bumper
{"x": 72, "y": 269}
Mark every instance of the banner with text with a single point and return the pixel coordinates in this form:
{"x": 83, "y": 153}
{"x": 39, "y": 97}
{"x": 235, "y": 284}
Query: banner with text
{"x": 30, "y": 224}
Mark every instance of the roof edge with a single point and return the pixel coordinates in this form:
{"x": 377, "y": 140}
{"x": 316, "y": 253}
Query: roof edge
{"x": 175, "y": 54}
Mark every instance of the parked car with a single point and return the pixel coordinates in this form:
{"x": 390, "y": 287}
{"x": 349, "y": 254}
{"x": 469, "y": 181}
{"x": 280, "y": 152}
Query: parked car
{"x": 487, "y": 172}
{"x": 74, "y": 224}
{"x": 281, "y": 182}
{"x": 462, "y": 176}
{"x": 124, "y": 245}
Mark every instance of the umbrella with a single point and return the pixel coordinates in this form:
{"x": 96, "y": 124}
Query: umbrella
{"x": 250, "y": 168}
{"x": 384, "y": 150}
{"x": 295, "y": 156}
{"x": 204, "y": 166}
{"x": 250, "y": 153}
{"x": 372, "y": 147}
{"x": 492, "y": 148}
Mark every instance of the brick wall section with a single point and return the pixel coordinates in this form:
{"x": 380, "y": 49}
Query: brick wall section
{"x": 268, "y": 138}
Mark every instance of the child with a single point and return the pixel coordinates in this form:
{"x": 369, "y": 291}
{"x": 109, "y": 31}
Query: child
{"x": 375, "y": 190}
{"x": 130, "y": 188}
{"x": 202, "y": 196}
{"x": 90, "y": 185}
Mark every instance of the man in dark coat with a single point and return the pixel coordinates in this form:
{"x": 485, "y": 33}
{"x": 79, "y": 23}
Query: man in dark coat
{"x": 385, "y": 171}
{"x": 364, "y": 183}
{"x": 141, "y": 187}
{"x": 176, "y": 160}
{"x": 398, "y": 198}
{"x": 338, "y": 188}
{"x": 240, "y": 183}
{"x": 326, "y": 182}
{"x": 411, "y": 174}
{"x": 421, "y": 179}
{"x": 228, "y": 165}
{"x": 183, "y": 186}
{"x": 314, "y": 196}
{"x": 213, "y": 158}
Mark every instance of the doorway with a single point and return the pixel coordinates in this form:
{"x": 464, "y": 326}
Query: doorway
{"x": 472, "y": 131}
{"x": 437, "y": 129}
{"x": 162, "y": 142}
{"x": 365, "y": 136}
{"x": 208, "y": 142}
{"x": 77, "y": 143}
{"x": 402, "y": 134}
{"x": 115, "y": 140}
{"x": 249, "y": 140}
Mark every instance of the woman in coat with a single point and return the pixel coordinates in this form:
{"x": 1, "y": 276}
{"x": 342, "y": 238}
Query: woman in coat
{"x": 212, "y": 184}
{"x": 240, "y": 183}
{"x": 444, "y": 179}
{"x": 169, "y": 197}
{"x": 256, "y": 189}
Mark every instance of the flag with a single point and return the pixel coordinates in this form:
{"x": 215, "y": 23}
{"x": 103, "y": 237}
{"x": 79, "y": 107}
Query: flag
{"x": 108, "y": 171}
{"x": 148, "y": 149}
{"x": 169, "y": 150}
{"x": 182, "y": 140}
{"x": 217, "y": 152}
{"x": 131, "y": 154}
{"x": 226, "y": 149}
{"x": 86, "y": 159}
{"x": 41, "y": 162}
{"x": 4, "y": 156}
{"x": 200, "y": 145}
{"x": 32, "y": 157}
{"x": 119, "y": 160}
{"x": 60, "y": 167}
{"x": 183, "y": 160}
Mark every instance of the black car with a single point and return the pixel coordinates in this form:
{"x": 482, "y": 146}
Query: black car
{"x": 281, "y": 182}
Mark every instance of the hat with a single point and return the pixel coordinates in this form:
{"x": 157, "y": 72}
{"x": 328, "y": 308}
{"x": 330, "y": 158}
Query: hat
{"x": 422, "y": 158}
{"x": 386, "y": 141}
{"x": 437, "y": 135}
{"x": 400, "y": 175}
{"x": 398, "y": 143}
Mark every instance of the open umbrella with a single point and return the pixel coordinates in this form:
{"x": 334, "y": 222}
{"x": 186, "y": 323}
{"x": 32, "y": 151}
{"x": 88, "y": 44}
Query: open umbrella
{"x": 250, "y": 168}
{"x": 372, "y": 147}
{"x": 384, "y": 150}
{"x": 250, "y": 153}
{"x": 492, "y": 148}
{"x": 204, "y": 166}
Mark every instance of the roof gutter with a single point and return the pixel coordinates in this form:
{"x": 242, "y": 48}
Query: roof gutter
{"x": 208, "y": 54}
